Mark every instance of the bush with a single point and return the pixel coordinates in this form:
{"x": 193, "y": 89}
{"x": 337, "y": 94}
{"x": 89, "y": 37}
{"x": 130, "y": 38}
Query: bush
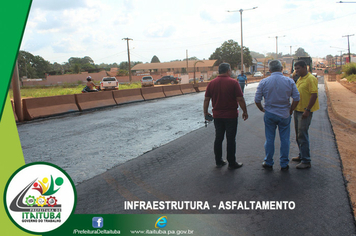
{"x": 349, "y": 69}
{"x": 349, "y": 72}
{"x": 130, "y": 86}
{"x": 351, "y": 78}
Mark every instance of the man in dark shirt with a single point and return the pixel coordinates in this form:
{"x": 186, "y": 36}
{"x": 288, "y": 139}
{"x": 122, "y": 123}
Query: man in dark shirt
{"x": 226, "y": 95}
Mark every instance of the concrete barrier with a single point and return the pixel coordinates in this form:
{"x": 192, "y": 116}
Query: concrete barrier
{"x": 172, "y": 90}
{"x": 201, "y": 87}
{"x": 128, "y": 95}
{"x": 187, "y": 88}
{"x": 152, "y": 93}
{"x": 93, "y": 100}
{"x": 47, "y": 106}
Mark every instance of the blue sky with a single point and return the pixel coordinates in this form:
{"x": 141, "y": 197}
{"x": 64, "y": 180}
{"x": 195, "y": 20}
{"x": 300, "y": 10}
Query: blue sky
{"x": 58, "y": 30}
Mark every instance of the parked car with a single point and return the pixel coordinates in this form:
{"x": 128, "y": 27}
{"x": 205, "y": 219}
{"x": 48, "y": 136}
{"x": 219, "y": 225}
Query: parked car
{"x": 147, "y": 81}
{"x": 258, "y": 74}
{"x": 168, "y": 79}
{"x": 248, "y": 73}
{"x": 268, "y": 73}
{"x": 109, "y": 83}
{"x": 286, "y": 72}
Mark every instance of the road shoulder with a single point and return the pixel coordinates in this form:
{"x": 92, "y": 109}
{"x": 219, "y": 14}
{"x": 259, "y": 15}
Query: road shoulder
{"x": 342, "y": 120}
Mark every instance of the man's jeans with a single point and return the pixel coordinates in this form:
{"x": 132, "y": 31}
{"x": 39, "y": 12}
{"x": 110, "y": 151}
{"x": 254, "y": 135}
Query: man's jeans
{"x": 271, "y": 123}
{"x": 228, "y": 126}
{"x": 302, "y": 136}
{"x": 242, "y": 85}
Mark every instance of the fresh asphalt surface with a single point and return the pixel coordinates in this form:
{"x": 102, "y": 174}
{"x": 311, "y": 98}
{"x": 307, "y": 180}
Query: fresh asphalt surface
{"x": 184, "y": 170}
{"x": 88, "y": 144}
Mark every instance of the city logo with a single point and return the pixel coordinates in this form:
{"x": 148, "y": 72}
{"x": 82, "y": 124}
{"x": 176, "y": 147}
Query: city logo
{"x": 98, "y": 222}
{"x": 161, "y": 222}
{"x": 39, "y": 197}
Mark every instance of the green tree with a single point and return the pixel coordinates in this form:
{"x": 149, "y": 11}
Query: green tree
{"x": 81, "y": 61}
{"x": 42, "y": 66}
{"x": 57, "y": 68}
{"x": 256, "y": 55}
{"x": 88, "y": 66}
{"x": 85, "y": 63}
{"x": 125, "y": 65}
{"x": 122, "y": 72}
{"x": 192, "y": 59}
{"x": 76, "y": 68}
{"x": 301, "y": 53}
{"x": 24, "y": 58}
{"x": 32, "y": 66}
{"x": 230, "y": 52}
{"x": 66, "y": 66}
{"x": 155, "y": 59}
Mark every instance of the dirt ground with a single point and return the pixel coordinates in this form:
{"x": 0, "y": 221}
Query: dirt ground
{"x": 346, "y": 139}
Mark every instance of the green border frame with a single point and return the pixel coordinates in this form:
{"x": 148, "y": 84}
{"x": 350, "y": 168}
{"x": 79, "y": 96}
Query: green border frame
{"x": 14, "y": 15}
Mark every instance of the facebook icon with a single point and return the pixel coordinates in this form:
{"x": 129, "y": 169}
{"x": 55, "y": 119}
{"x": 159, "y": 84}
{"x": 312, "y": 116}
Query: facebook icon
{"x": 98, "y": 222}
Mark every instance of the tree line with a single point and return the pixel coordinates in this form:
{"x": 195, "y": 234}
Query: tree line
{"x": 31, "y": 66}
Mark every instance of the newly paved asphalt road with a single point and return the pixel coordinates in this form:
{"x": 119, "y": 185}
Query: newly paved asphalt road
{"x": 88, "y": 144}
{"x": 184, "y": 170}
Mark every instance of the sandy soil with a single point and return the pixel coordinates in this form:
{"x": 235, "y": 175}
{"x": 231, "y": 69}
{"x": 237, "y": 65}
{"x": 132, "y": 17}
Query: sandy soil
{"x": 346, "y": 139}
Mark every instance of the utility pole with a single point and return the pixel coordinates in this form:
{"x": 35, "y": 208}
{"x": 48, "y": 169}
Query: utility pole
{"x": 242, "y": 45}
{"x": 17, "y": 94}
{"x": 348, "y": 43}
{"x": 186, "y": 54}
{"x": 277, "y": 44}
{"x": 128, "y": 55}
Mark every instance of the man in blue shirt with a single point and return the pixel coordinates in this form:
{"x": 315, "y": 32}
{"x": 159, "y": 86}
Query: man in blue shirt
{"x": 277, "y": 91}
{"x": 242, "y": 80}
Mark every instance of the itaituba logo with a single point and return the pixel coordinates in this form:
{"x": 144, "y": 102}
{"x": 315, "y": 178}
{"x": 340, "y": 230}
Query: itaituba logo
{"x": 39, "y": 197}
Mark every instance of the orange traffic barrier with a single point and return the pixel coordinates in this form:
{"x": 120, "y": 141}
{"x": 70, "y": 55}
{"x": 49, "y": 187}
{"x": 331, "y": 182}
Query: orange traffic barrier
{"x": 128, "y": 95}
{"x": 152, "y": 93}
{"x": 47, "y": 106}
{"x": 201, "y": 87}
{"x": 172, "y": 90}
{"x": 93, "y": 100}
{"x": 187, "y": 88}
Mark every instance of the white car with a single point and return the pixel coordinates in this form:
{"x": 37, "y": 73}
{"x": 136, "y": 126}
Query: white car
{"x": 258, "y": 74}
{"x": 147, "y": 81}
{"x": 109, "y": 83}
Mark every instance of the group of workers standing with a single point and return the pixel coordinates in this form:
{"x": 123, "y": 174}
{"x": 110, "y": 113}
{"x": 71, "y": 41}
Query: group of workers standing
{"x": 226, "y": 95}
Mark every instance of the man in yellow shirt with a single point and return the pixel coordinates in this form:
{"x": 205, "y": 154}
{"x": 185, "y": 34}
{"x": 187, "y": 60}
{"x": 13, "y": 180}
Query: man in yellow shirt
{"x": 307, "y": 86}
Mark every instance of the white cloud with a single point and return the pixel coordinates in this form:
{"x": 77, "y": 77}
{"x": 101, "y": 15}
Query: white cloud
{"x": 62, "y": 29}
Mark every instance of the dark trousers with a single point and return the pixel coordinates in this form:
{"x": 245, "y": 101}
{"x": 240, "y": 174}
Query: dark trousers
{"x": 228, "y": 126}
